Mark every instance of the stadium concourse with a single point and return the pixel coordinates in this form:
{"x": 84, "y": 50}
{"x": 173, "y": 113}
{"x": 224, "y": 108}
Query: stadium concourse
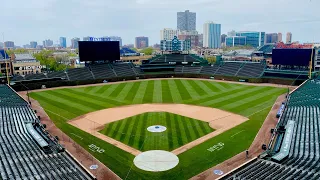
{"x": 27, "y": 150}
{"x": 294, "y": 151}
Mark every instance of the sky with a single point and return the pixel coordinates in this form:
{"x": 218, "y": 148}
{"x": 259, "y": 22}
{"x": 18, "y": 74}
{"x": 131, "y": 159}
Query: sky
{"x": 36, "y": 20}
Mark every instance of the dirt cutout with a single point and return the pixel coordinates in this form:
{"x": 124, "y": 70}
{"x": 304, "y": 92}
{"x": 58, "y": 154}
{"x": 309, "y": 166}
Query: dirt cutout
{"x": 218, "y": 119}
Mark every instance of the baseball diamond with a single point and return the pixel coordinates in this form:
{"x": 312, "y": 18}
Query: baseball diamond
{"x": 248, "y": 101}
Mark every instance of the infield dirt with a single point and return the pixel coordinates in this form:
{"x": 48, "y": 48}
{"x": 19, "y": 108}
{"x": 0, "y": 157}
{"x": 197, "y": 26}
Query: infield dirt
{"x": 218, "y": 119}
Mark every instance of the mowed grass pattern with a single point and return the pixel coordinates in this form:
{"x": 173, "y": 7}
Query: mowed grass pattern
{"x": 180, "y": 131}
{"x": 253, "y": 102}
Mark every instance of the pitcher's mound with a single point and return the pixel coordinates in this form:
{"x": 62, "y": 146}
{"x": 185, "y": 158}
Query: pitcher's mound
{"x": 156, "y": 128}
{"x": 156, "y": 160}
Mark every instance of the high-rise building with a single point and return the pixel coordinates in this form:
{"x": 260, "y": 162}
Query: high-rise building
{"x": 212, "y": 35}
{"x": 223, "y": 38}
{"x": 115, "y": 38}
{"x": 63, "y": 42}
{"x": 75, "y": 43}
{"x": 168, "y": 34}
{"x": 33, "y": 44}
{"x": 175, "y": 45}
{"x": 9, "y": 44}
{"x": 192, "y": 36}
{"x": 47, "y": 43}
{"x": 141, "y": 42}
{"x": 279, "y": 37}
{"x": 26, "y": 46}
{"x": 272, "y": 38}
{"x": 128, "y": 45}
{"x": 200, "y": 40}
{"x": 193, "y": 32}
{"x": 289, "y": 37}
{"x": 186, "y": 21}
{"x": 253, "y": 38}
{"x": 232, "y": 33}
{"x": 232, "y": 41}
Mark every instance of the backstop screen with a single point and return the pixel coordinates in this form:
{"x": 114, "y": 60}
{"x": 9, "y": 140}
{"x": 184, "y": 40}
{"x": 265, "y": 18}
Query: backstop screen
{"x": 99, "y": 50}
{"x": 292, "y": 57}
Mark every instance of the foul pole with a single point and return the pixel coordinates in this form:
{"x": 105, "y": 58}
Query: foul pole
{"x": 311, "y": 64}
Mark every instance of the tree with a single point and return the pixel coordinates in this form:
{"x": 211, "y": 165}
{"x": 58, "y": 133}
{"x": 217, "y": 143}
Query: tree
{"x": 16, "y": 51}
{"x": 211, "y": 59}
{"x": 52, "y": 63}
{"x": 147, "y": 51}
{"x": 134, "y": 49}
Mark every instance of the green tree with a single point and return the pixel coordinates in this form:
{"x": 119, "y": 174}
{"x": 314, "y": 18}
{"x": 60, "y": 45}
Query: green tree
{"x": 52, "y": 63}
{"x": 135, "y": 49}
{"x": 211, "y": 59}
{"x": 16, "y": 51}
{"x": 147, "y": 51}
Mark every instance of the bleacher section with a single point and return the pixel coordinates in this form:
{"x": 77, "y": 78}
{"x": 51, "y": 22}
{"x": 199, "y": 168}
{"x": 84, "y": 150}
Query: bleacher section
{"x": 299, "y": 155}
{"x": 21, "y": 157}
{"x": 251, "y": 70}
{"x": 124, "y": 69}
{"x": 79, "y": 74}
{"x": 58, "y": 74}
{"x": 95, "y": 71}
{"x": 209, "y": 70}
{"x": 229, "y": 68}
{"x": 35, "y": 76}
{"x": 101, "y": 71}
{"x": 177, "y": 58}
{"x": 188, "y": 69}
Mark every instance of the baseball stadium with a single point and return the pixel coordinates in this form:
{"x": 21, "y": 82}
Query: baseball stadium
{"x": 175, "y": 116}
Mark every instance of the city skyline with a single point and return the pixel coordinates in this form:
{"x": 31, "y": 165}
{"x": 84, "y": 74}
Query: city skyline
{"x": 48, "y": 23}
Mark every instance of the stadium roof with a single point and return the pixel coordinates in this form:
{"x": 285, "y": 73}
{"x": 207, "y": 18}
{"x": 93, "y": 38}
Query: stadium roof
{"x": 23, "y": 57}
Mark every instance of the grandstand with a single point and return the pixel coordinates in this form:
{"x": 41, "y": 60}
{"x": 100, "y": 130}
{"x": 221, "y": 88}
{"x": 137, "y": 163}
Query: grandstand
{"x": 251, "y": 70}
{"x": 79, "y": 74}
{"x": 177, "y": 58}
{"x": 294, "y": 151}
{"x": 229, "y": 68}
{"x": 105, "y": 71}
{"x": 27, "y": 151}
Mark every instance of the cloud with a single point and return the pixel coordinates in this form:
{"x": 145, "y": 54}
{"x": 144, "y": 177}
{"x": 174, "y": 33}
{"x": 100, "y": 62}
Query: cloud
{"x": 41, "y": 19}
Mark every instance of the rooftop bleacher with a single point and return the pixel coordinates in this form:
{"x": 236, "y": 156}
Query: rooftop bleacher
{"x": 265, "y": 49}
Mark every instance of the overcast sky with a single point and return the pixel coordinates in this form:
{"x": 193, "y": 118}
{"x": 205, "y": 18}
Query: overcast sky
{"x": 23, "y": 21}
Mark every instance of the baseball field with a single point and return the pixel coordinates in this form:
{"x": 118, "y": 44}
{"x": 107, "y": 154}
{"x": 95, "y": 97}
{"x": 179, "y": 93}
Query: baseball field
{"x": 110, "y": 122}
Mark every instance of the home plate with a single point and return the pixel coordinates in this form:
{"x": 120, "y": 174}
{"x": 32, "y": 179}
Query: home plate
{"x": 156, "y": 128}
{"x": 156, "y": 160}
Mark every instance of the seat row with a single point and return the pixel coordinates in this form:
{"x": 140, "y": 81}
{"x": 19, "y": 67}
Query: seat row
{"x": 303, "y": 159}
{"x": 20, "y": 155}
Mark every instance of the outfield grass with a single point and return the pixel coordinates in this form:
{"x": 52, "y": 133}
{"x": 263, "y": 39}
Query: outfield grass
{"x": 180, "y": 131}
{"x": 253, "y": 102}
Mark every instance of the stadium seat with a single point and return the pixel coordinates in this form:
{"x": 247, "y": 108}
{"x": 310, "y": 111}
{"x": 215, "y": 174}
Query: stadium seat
{"x": 20, "y": 155}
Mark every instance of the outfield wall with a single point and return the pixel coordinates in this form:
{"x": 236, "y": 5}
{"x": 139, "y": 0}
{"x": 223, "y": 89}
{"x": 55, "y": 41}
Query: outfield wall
{"x": 31, "y": 85}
